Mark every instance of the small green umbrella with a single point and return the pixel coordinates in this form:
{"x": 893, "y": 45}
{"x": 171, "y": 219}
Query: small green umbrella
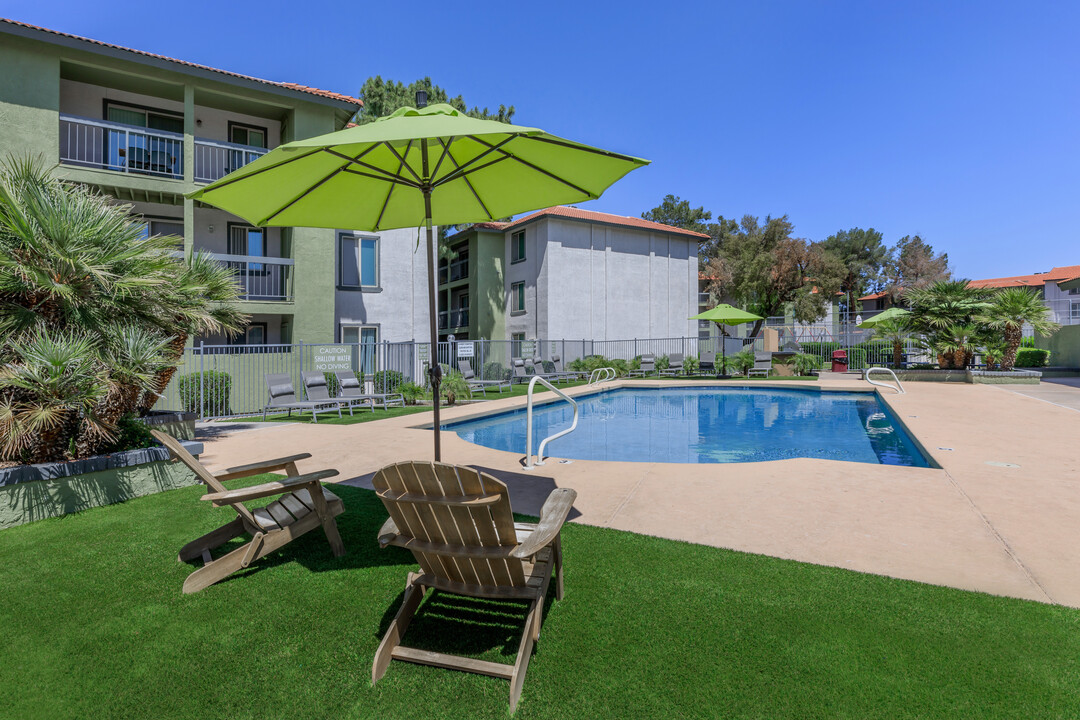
{"x": 724, "y": 314}
{"x": 892, "y": 313}
{"x": 426, "y": 166}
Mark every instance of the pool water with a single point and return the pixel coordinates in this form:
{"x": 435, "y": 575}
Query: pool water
{"x": 707, "y": 425}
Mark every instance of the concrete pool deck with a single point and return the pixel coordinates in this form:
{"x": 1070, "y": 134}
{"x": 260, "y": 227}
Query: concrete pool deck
{"x": 1001, "y": 515}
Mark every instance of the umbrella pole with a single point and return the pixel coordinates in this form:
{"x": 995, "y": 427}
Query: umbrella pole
{"x": 435, "y": 371}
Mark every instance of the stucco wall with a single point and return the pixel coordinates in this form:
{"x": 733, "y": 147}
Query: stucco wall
{"x": 1064, "y": 346}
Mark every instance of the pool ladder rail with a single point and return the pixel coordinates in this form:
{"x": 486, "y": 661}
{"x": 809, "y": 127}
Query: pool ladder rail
{"x": 898, "y": 388}
{"x": 529, "y": 464}
{"x": 602, "y": 374}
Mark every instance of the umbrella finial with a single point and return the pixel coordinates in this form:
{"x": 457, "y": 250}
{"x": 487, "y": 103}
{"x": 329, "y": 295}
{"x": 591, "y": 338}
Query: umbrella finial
{"x": 421, "y": 99}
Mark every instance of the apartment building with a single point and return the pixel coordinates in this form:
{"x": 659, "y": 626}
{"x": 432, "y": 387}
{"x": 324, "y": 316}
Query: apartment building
{"x": 146, "y": 129}
{"x": 1059, "y": 289}
{"x": 567, "y": 273}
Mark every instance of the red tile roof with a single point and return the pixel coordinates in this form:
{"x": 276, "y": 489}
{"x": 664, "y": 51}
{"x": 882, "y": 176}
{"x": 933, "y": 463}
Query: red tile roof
{"x": 291, "y": 86}
{"x": 1058, "y": 274}
{"x": 874, "y": 296}
{"x": 593, "y": 216}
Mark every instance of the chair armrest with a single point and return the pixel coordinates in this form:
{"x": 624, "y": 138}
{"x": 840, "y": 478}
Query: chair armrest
{"x": 388, "y": 532}
{"x": 276, "y": 487}
{"x": 552, "y": 517}
{"x": 261, "y": 467}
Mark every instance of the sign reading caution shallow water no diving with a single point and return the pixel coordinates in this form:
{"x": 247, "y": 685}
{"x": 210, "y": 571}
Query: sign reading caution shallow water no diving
{"x": 333, "y": 357}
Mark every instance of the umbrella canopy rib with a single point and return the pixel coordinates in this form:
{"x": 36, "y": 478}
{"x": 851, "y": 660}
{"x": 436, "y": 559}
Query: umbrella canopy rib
{"x": 227, "y": 180}
{"x": 582, "y": 148}
{"x": 542, "y": 171}
{"x": 300, "y": 197}
{"x": 390, "y": 190}
{"x": 403, "y": 163}
{"x": 463, "y": 169}
{"x": 476, "y": 195}
{"x": 382, "y": 174}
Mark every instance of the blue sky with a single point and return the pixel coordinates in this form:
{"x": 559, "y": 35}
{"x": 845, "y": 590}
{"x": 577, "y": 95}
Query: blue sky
{"x": 958, "y": 121}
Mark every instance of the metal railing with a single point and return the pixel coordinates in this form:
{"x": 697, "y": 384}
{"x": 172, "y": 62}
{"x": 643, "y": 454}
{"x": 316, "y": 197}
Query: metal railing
{"x": 120, "y": 148}
{"x": 450, "y": 319}
{"x": 260, "y": 278}
{"x": 899, "y": 388}
{"x": 602, "y": 374}
{"x": 214, "y": 159}
{"x": 529, "y": 422}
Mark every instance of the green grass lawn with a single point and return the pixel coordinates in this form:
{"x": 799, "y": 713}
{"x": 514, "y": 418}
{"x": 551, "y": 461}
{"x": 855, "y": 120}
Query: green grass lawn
{"x": 326, "y": 418}
{"x": 95, "y": 625}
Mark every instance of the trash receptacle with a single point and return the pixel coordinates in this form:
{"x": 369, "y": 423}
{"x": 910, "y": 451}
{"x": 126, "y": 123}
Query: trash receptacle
{"x": 839, "y": 361}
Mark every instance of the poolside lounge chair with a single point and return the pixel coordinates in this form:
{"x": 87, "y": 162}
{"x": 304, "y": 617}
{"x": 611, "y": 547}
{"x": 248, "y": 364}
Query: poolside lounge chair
{"x": 316, "y": 390}
{"x": 304, "y": 505}
{"x": 648, "y": 366}
{"x": 537, "y": 366}
{"x": 476, "y": 383}
{"x": 459, "y": 526}
{"x": 675, "y": 365}
{"x": 349, "y": 387}
{"x": 283, "y": 397}
{"x": 762, "y": 364}
{"x": 707, "y": 361}
{"x": 560, "y": 370}
{"x": 520, "y": 373}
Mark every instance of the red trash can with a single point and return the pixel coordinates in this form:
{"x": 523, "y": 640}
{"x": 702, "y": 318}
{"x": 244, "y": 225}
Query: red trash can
{"x": 839, "y": 361}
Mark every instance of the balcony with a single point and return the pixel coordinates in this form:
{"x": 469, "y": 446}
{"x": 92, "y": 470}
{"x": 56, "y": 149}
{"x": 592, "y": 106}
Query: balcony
{"x": 129, "y": 149}
{"x": 215, "y": 159}
{"x": 457, "y": 270}
{"x": 704, "y": 299}
{"x": 454, "y": 319}
{"x": 121, "y": 148}
{"x": 261, "y": 278}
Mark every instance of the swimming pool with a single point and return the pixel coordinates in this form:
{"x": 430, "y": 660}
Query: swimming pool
{"x": 707, "y": 425}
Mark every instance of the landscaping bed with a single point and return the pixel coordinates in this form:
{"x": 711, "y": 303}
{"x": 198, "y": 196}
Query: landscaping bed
{"x": 643, "y": 632}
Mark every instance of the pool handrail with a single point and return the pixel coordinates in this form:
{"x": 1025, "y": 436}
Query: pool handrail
{"x": 899, "y": 388}
{"x": 602, "y": 374}
{"x": 529, "y": 425}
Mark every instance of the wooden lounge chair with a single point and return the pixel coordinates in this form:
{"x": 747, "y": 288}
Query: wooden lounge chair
{"x": 476, "y": 383}
{"x": 282, "y": 396}
{"x": 304, "y": 505}
{"x": 349, "y": 387}
{"x": 316, "y": 390}
{"x": 458, "y": 524}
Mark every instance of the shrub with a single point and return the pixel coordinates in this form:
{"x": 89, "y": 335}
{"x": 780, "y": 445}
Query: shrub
{"x": 1032, "y": 357}
{"x": 331, "y": 383}
{"x": 741, "y": 361}
{"x": 635, "y": 364}
{"x": 412, "y": 392}
{"x": 454, "y": 387}
{"x": 690, "y": 364}
{"x": 206, "y": 393}
{"x": 496, "y": 371}
{"x": 131, "y": 433}
{"x": 387, "y": 380}
{"x": 805, "y": 364}
{"x": 1028, "y": 342}
{"x": 663, "y": 362}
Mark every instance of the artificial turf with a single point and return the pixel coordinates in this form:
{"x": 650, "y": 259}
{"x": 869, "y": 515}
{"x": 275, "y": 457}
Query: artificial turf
{"x": 95, "y": 625}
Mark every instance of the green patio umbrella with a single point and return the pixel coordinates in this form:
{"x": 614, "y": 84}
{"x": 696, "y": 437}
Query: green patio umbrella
{"x": 419, "y": 166}
{"x": 890, "y": 314}
{"x": 724, "y": 314}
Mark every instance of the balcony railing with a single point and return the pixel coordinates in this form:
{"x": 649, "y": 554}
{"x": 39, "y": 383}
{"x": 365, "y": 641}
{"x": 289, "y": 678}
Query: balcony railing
{"x": 121, "y": 148}
{"x": 453, "y": 319}
{"x": 261, "y": 278}
{"x": 456, "y": 270}
{"x": 215, "y": 159}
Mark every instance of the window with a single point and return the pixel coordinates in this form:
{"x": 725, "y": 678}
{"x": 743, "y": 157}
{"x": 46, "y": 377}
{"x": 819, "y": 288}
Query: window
{"x": 246, "y": 240}
{"x": 358, "y": 261}
{"x": 516, "y": 341}
{"x": 1074, "y": 291}
{"x": 144, "y": 117}
{"x": 366, "y": 337}
{"x": 255, "y": 334}
{"x": 517, "y": 246}
{"x": 164, "y": 226}
{"x": 247, "y": 135}
{"x": 517, "y": 298}
{"x": 1074, "y": 311}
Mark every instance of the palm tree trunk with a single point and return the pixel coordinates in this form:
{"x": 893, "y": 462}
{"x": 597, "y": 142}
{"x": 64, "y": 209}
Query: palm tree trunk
{"x": 174, "y": 352}
{"x": 1013, "y": 338}
{"x": 897, "y": 353}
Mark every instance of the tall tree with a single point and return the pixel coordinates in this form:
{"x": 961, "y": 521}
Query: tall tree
{"x": 913, "y": 264}
{"x": 763, "y": 268}
{"x": 863, "y": 256}
{"x": 382, "y": 97}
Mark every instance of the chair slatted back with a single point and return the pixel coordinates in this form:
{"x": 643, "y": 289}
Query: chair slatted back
{"x": 519, "y": 368}
{"x": 280, "y": 387}
{"x": 348, "y": 384}
{"x": 315, "y": 385}
{"x": 675, "y": 360}
{"x": 762, "y": 360}
{"x": 408, "y": 489}
{"x": 465, "y": 369}
{"x": 177, "y": 450}
{"x": 648, "y": 362}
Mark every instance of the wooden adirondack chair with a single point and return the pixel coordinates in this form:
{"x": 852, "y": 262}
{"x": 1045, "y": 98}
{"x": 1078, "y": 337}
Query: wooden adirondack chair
{"x": 458, "y": 524}
{"x": 304, "y": 505}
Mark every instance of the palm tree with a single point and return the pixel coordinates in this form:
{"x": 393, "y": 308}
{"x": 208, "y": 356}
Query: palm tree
{"x": 1010, "y": 310}
{"x": 78, "y": 276}
{"x": 894, "y": 330}
{"x": 946, "y": 314}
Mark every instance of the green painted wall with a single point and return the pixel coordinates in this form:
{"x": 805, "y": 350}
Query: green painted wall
{"x": 29, "y": 100}
{"x": 1064, "y": 346}
{"x": 487, "y": 250}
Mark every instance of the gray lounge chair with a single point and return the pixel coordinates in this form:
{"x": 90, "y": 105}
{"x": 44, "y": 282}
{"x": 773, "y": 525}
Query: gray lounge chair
{"x": 762, "y": 364}
{"x": 707, "y": 361}
{"x": 316, "y": 390}
{"x": 572, "y": 374}
{"x": 520, "y": 373}
{"x": 675, "y": 365}
{"x": 537, "y": 367}
{"x": 648, "y": 366}
{"x": 283, "y": 397}
{"x": 476, "y": 383}
{"x": 349, "y": 387}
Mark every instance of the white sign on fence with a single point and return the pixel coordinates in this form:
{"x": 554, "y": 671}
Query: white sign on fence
{"x": 465, "y": 349}
{"x": 333, "y": 357}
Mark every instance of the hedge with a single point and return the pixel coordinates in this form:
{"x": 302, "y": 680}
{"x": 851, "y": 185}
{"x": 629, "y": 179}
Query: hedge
{"x": 856, "y": 356}
{"x": 1032, "y": 357}
{"x": 387, "y": 380}
{"x": 206, "y": 393}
